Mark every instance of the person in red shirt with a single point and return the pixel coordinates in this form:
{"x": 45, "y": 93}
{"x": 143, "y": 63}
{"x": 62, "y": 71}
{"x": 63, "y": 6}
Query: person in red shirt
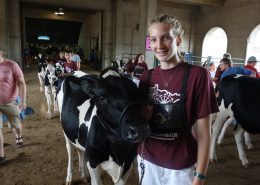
{"x": 139, "y": 65}
{"x": 180, "y": 95}
{"x": 12, "y": 84}
{"x": 251, "y": 63}
{"x": 69, "y": 66}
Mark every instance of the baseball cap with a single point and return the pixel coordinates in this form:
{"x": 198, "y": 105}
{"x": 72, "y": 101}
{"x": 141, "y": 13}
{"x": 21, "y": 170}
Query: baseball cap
{"x": 252, "y": 59}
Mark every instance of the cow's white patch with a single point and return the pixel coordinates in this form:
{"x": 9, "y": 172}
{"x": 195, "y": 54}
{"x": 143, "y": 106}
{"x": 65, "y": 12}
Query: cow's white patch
{"x": 82, "y": 113}
{"x": 77, "y": 144}
{"x": 114, "y": 170}
{"x": 238, "y": 75}
{"x": 83, "y": 108}
{"x": 112, "y": 73}
{"x": 79, "y": 74}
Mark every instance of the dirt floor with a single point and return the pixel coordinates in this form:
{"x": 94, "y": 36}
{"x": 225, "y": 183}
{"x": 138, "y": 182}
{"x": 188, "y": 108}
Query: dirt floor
{"x": 43, "y": 159}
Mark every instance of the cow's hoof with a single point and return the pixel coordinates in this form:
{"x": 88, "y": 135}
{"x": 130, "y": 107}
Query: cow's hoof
{"x": 84, "y": 179}
{"x": 68, "y": 183}
{"x": 246, "y": 166}
{"x": 48, "y": 116}
{"x": 213, "y": 161}
{"x": 250, "y": 147}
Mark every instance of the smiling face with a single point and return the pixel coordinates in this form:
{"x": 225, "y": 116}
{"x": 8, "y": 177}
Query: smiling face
{"x": 141, "y": 59}
{"x": 164, "y": 42}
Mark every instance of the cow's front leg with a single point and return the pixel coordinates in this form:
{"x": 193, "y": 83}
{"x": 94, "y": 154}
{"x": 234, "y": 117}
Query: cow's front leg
{"x": 238, "y": 134}
{"x": 49, "y": 102}
{"x": 123, "y": 179}
{"x": 95, "y": 174}
{"x": 41, "y": 82}
{"x": 55, "y": 102}
{"x": 82, "y": 166}
{"x": 248, "y": 141}
{"x": 70, "y": 164}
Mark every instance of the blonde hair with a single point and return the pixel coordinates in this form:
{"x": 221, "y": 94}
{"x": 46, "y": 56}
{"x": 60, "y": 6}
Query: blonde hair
{"x": 173, "y": 21}
{"x": 177, "y": 28}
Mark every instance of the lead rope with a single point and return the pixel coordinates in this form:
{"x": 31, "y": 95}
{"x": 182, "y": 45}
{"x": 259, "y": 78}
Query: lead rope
{"x": 142, "y": 163}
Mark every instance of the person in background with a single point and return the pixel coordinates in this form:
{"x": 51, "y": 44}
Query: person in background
{"x": 217, "y": 77}
{"x": 179, "y": 94}
{"x": 61, "y": 60}
{"x": 129, "y": 68}
{"x": 129, "y": 71}
{"x": 212, "y": 70}
{"x": 26, "y": 55}
{"x": 139, "y": 65}
{"x": 227, "y": 69}
{"x": 12, "y": 85}
{"x": 251, "y": 63}
{"x": 74, "y": 57}
{"x": 69, "y": 66}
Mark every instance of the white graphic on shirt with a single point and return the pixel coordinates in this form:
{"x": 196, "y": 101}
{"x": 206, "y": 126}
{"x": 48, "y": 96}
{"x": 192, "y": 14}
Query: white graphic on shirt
{"x": 163, "y": 96}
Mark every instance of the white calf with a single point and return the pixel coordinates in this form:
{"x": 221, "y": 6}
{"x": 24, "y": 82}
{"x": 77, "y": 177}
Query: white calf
{"x": 41, "y": 76}
{"x": 50, "y": 89}
{"x": 221, "y": 119}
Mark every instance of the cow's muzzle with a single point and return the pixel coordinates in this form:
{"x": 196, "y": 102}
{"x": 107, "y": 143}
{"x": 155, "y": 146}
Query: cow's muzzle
{"x": 137, "y": 133}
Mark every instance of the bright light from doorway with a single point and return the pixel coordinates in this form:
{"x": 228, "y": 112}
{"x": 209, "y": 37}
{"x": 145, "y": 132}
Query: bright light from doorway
{"x": 253, "y": 46}
{"x": 214, "y": 45}
{"x": 43, "y": 37}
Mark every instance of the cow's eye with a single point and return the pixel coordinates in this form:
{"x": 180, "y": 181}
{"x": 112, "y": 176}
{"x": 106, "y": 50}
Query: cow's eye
{"x": 102, "y": 100}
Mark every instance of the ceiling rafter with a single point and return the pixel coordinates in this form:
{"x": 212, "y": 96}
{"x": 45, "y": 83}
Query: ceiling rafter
{"x": 200, "y": 2}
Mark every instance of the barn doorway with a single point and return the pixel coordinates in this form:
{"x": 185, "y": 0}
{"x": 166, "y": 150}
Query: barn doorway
{"x": 214, "y": 45}
{"x": 253, "y": 45}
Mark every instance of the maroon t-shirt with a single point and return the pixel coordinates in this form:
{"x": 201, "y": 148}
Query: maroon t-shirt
{"x": 201, "y": 101}
{"x": 70, "y": 67}
{"x": 139, "y": 68}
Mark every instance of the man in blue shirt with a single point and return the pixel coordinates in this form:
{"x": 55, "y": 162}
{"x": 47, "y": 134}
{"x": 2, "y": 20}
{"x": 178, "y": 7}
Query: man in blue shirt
{"x": 225, "y": 66}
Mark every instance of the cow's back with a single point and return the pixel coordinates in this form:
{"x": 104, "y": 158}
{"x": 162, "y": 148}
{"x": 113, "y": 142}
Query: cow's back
{"x": 244, "y": 93}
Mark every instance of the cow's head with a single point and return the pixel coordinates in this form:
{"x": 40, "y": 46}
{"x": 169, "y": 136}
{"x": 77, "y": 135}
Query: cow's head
{"x": 51, "y": 74}
{"x": 43, "y": 71}
{"x": 58, "y": 69}
{"x": 118, "y": 104}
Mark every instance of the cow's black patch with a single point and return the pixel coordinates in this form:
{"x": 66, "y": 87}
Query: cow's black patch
{"x": 82, "y": 134}
{"x": 97, "y": 144}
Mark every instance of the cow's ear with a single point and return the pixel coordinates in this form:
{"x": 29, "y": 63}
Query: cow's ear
{"x": 89, "y": 84}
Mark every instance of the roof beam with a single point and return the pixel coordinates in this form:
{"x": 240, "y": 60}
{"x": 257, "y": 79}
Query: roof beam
{"x": 198, "y": 2}
{"x": 207, "y": 2}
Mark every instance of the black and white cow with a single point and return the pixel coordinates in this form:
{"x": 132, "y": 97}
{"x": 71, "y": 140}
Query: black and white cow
{"x": 41, "y": 76}
{"x": 240, "y": 102}
{"x": 243, "y": 92}
{"x": 50, "y": 84}
{"x": 100, "y": 116}
{"x": 42, "y": 64}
